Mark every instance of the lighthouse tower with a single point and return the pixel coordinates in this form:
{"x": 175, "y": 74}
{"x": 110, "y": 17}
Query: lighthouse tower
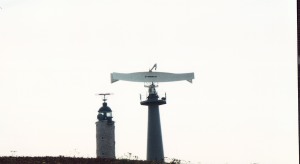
{"x": 105, "y": 132}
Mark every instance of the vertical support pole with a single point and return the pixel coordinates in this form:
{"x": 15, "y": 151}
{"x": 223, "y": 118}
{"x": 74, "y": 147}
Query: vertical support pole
{"x": 298, "y": 69}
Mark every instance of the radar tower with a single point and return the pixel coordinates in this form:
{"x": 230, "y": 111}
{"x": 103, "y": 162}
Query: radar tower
{"x": 155, "y": 151}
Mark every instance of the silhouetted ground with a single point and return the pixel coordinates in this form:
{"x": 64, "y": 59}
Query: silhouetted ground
{"x": 69, "y": 160}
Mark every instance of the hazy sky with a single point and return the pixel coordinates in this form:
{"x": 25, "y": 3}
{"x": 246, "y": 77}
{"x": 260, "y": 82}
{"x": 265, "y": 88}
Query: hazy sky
{"x": 241, "y": 108}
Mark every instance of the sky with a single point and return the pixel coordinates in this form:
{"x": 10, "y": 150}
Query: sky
{"x": 55, "y": 56}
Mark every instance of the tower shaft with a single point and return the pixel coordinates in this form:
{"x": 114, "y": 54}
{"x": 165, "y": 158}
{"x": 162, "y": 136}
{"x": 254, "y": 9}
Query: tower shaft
{"x": 155, "y": 151}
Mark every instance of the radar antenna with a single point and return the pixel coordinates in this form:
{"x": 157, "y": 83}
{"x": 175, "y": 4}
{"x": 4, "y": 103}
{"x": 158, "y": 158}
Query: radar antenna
{"x": 104, "y": 94}
{"x": 152, "y": 76}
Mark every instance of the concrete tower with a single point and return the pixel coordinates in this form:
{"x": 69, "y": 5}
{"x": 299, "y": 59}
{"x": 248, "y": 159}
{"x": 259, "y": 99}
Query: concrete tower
{"x": 155, "y": 151}
{"x": 105, "y": 132}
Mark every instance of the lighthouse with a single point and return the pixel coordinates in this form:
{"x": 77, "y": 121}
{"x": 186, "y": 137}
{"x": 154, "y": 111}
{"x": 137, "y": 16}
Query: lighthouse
{"x": 105, "y": 131}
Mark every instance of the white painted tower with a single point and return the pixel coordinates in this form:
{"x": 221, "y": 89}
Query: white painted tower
{"x": 105, "y": 132}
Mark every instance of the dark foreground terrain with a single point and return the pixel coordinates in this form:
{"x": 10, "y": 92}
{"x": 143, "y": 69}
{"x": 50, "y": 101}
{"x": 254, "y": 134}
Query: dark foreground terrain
{"x": 68, "y": 160}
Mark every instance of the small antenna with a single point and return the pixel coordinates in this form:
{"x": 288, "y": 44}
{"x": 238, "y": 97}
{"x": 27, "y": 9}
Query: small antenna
{"x": 104, "y": 94}
{"x": 155, "y": 66}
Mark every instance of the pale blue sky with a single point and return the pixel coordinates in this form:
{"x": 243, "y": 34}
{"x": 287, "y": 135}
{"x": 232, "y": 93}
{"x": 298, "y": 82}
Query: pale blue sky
{"x": 241, "y": 108}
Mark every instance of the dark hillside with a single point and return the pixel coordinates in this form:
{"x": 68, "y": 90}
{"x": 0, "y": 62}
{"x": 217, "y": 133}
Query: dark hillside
{"x": 68, "y": 160}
